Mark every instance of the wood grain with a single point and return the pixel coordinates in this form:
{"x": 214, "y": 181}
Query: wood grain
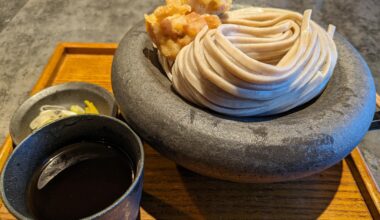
{"x": 171, "y": 192}
{"x": 366, "y": 183}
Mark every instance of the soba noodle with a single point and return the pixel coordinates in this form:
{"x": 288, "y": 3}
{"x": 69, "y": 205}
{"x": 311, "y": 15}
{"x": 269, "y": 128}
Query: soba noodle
{"x": 260, "y": 61}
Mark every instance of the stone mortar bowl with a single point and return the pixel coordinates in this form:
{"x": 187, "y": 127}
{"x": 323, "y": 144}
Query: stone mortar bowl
{"x": 298, "y": 143}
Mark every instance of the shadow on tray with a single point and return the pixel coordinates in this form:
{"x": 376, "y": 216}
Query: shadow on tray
{"x": 198, "y": 197}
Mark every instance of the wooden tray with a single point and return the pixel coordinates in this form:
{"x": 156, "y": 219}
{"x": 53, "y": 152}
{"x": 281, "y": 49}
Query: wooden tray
{"x": 344, "y": 191}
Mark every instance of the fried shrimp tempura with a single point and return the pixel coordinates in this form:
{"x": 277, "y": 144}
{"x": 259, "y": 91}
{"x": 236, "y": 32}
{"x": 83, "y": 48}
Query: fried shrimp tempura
{"x": 205, "y": 6}
{"x": 173, "y": 26}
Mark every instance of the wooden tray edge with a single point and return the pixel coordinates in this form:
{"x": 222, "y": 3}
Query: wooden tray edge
{"x": 50, "y": 70}
{"x": 5, "y": 151}
{"x": 366, "y": 183}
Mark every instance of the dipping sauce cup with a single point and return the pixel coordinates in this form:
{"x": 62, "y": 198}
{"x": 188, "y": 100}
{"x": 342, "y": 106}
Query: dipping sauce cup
{"x": 37, "y": 148}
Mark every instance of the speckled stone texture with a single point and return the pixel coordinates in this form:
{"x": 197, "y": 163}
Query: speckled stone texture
{"x": 263, "y": 149}
{"x": 8, "y": 9}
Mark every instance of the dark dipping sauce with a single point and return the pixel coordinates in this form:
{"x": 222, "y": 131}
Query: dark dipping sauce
{"x": 79, "y": 180}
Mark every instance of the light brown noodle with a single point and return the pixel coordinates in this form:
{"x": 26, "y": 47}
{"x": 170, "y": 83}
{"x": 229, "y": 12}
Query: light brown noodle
{"x": 261, "y": 61}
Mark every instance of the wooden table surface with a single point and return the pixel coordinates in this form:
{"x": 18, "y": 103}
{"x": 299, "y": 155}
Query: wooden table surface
{"x": 172, "y": 192}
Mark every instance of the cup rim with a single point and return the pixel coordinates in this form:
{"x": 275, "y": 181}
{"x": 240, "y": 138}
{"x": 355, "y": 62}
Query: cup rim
{"x": 138, "y": 176}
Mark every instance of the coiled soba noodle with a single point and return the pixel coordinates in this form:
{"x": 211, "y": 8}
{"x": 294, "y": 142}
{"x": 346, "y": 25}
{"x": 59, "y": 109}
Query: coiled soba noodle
{"x": 260, "y": 61}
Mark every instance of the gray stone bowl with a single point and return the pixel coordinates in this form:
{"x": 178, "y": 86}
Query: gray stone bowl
{"x": 65, "y": 94}
{"x": 301, "y": 142}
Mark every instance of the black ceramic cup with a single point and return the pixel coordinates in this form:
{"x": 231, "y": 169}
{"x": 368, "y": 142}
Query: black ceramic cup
{"x": 37, "y": 147}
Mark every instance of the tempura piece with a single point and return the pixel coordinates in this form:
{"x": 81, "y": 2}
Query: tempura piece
{"x": 205, "y": 6}
{"x": 173, "y": 26}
